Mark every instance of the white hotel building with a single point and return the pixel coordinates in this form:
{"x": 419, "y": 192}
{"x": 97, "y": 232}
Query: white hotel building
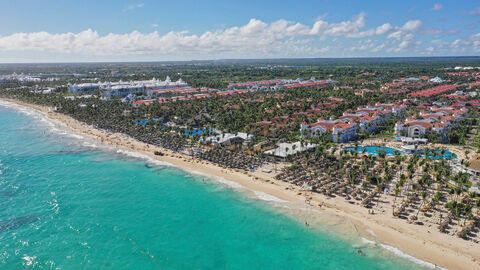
{"x": 121, "y": 88}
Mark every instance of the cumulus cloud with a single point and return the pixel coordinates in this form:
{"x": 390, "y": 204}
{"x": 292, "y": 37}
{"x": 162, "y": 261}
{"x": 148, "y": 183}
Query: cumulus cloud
{"x": 256, "y": 38}
{"x": 472, "y": 41}
{"x": 437, "y": 7}
{"x": 411, "y": 25}
{"x": 132, "y": 7}
{"x": 404, "y": 35}
{"x": 406, "y": 40}
{"x": 437, "y": 31}
{"x": 380, "y": 30}
{"x": 346, "y": 27}
{"x": 386, "y": 28}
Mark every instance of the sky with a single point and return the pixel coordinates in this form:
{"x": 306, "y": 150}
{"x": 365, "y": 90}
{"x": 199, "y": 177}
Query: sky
{"x": 147, "y": 30}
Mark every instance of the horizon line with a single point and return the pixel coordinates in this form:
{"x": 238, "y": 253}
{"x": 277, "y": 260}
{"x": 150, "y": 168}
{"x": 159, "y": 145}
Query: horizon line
{"x": 244, "y": 59}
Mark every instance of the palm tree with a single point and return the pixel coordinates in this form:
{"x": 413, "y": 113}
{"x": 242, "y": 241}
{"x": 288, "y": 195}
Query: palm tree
{"x": 477, "y": 204}
{"x": 396, "y": 191}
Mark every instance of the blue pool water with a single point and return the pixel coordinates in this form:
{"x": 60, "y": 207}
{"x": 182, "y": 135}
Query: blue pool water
{"x": 189, "y": 132}
{"x": 374, "y": 150}
{"x": 437, "y": 154}
{"x": 67, "y": 204}
{"x": 145, "y": 121}
{"x": 195, "y": 131}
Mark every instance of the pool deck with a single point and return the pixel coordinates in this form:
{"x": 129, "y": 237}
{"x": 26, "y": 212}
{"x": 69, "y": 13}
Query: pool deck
{"x": 389, "y": 150}
{"x": 457, "y": 150}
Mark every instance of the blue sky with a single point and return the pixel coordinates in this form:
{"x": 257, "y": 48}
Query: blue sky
{"x": 108, "y": 30}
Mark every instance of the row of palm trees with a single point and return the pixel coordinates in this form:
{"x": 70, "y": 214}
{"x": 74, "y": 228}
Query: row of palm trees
{"x": 418, "y": 189}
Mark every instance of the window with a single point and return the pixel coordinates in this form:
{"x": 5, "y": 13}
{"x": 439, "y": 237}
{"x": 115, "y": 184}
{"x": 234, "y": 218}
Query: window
{"x": 416, "y": 132}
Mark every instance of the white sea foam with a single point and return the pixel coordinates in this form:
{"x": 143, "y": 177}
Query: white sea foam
{"x": 401, "y": 254}
{"x": 56, "y": 130}
{"x": 267, "y": 197}
{"x": 47, "y": 122}
{"x": 397, "y": 252}
{"x": 229, "y": 183}
{"x": 54, "y": 206}
{"x": 368, "y": 242}
{"x": 91, "y": 145}
{"x": 52, "y": 126}
{"x": 221, "y": 180}
{"x": 19, "y": 108}
{"x": 372, "y": 233}
{"x": 24, "y": 243}
{"x": 50, "y": 263}
{"x": 29, "y": 260}
{"x": 138, "y": 155}
{"x": 76, "y": 136}
{"x": 195, "y": 172}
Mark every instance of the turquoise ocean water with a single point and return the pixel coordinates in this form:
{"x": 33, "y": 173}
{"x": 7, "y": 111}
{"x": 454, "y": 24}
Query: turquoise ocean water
{"x": 67, "y": 205}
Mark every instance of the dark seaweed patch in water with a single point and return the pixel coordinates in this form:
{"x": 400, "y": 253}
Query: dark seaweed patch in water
{"x": 148, "y": 166}
{"x": 17, "y": 222}
{"x": 6, "y": 194}
{"x": 154, "y": 167}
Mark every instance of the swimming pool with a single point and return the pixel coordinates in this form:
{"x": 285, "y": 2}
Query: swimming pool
{"x": 437, "y": 154}
{"x": 189, "y": 132}
{"x": 194, "y": 131}
{"x": 374, "y": 150}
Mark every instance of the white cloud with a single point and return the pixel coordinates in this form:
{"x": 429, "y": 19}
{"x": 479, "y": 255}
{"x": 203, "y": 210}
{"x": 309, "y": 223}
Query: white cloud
{"x": 437, "y": 7}
{"x": 406, "y": 40}
{"x": 380, "y": 30}
{"x": 346, "y": 27}
{"x": 411, "y": 25}
{"x": 131, "y": 7}
{"x": 155, "y": 25}
{"x": 472, "y": 41}
{"x": 437, "y": 31}
{"x": 254, "y": 39}
{"x": 378, "y": 48}
{"x": 404, "y": 35}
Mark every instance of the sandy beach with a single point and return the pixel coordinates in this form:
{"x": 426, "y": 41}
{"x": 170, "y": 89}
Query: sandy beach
{"x": 423, "y": 242}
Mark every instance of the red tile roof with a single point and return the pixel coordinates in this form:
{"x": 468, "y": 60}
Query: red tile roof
{"x": 433, "y": 91}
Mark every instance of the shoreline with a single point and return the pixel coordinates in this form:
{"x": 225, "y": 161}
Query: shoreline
{"x": 389, "y": 233}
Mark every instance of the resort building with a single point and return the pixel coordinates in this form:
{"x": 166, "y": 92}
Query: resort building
{"x": 287, "y": 149}
{"x": 340, "y": 130}
{"x": 229, "y": 138}
{"x": 19, "y": 78}
{"x": 121, "y": 88}
{"x": 366, "y": 123}
{"x": 280, "y": 84}
{"x": 366, "y": 119}
{"x": 436, "y": 119}
{"x": 437, "y": 80}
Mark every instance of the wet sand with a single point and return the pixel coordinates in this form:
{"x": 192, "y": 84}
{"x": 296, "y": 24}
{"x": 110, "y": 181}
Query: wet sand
{"x": 422, "y": 242}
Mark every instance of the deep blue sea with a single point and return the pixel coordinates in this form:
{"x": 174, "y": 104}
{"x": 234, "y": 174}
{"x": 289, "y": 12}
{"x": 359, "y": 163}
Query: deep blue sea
{"x": 66, "y": 204}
